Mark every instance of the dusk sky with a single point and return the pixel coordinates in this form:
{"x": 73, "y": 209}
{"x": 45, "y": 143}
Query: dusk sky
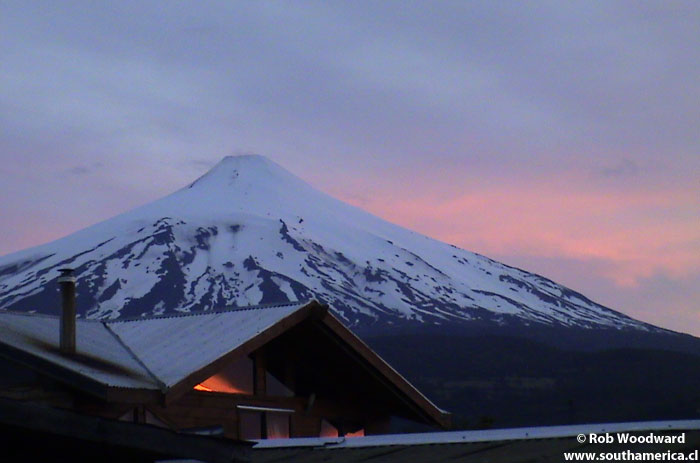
{"x": 559, "y": 137}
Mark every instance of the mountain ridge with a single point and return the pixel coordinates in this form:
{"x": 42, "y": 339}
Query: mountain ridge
{"x": 249, "y": 232}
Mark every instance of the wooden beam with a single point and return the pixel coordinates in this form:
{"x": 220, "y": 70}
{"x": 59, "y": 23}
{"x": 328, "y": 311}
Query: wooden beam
{"x": 289, "y": 375}
{"x": 219, "y": 404}
{"x": 134, "y": 396}
{"x": 260, "y": 372}
{"x": 384, "y": 372}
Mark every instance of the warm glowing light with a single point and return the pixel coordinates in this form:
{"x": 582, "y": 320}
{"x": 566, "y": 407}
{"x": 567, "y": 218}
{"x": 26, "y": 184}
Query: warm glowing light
{"x": 328, "y": 430}
{"x": 277, "y": 425}
{"x": 219, "y": 383}
{"x": 358, "y": 433}
{"x": 235, "y": 378}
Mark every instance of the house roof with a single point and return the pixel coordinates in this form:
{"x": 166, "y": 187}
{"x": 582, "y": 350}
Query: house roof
{"x": 196, "y": 340}
{"x": 517, "y": 445}
{"x": 139, "y": 353}
{"x": 481, "y": 435}
{"x": 100, "y": 357}
{"x": 168, "y": 355}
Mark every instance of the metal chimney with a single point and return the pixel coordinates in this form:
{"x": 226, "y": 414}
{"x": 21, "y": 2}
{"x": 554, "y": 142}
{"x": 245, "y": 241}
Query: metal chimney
{"x": 67, "y": 283}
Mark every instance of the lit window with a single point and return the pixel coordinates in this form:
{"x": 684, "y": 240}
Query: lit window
{"x": 358, "y": 433}
{"x": 235, "y": 378}
{"x": 264, "y": 423}
{"x": 328, "y": 430}
{"x": 277, "y": 425}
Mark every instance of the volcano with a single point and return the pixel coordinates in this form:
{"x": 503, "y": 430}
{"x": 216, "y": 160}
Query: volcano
{"x": 248, "y": 232}
{"x": 489, "y": 342}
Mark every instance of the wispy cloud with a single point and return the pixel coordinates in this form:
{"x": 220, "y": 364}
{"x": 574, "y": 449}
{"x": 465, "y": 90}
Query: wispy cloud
{"x": 623, "y": 168}
{"x": 84, "y": 169}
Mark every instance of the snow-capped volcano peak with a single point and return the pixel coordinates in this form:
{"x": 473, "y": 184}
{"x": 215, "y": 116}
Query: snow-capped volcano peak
{"x": 236, "y": 183}
{"x": 248, "y": 184}
{"x": 246, "y": 172}
{"x": 249, "y": 232}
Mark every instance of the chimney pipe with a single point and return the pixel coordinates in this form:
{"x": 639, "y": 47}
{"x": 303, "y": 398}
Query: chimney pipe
{"x": 67, "y": 283}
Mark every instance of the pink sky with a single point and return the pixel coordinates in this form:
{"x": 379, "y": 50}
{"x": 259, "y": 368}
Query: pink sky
{"x": 636, "y": 250}
{"x": 559, "y": 137}
{"x": 633, "y": 248}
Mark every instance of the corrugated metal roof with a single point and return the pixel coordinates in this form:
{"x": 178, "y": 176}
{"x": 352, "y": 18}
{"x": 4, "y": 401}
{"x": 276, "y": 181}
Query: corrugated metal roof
{"x": 176, "y": 346}
{"x": 519, "y": 445}
{"x": 99, "y": 355}
{"x": 489, "y": 435}
{"x": 143, "y": 353}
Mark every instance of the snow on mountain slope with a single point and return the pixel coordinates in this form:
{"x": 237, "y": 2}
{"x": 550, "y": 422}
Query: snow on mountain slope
{"x": 249, "y": 232}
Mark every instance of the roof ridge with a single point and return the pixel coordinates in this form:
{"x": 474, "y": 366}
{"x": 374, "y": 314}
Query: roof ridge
{"x": 207, "y": 312}
{"x": 48, "y": 315}
{"x": 161, "y": 384}
{"x": 28, "y": 314}
{"x": 157, "y": 317}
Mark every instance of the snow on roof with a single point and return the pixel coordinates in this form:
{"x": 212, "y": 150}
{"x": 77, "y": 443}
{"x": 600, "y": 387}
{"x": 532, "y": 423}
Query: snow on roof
{"x": 146, "y": 353}
{"x": 173, "y": 347}
{"x": 491, "y": 435}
